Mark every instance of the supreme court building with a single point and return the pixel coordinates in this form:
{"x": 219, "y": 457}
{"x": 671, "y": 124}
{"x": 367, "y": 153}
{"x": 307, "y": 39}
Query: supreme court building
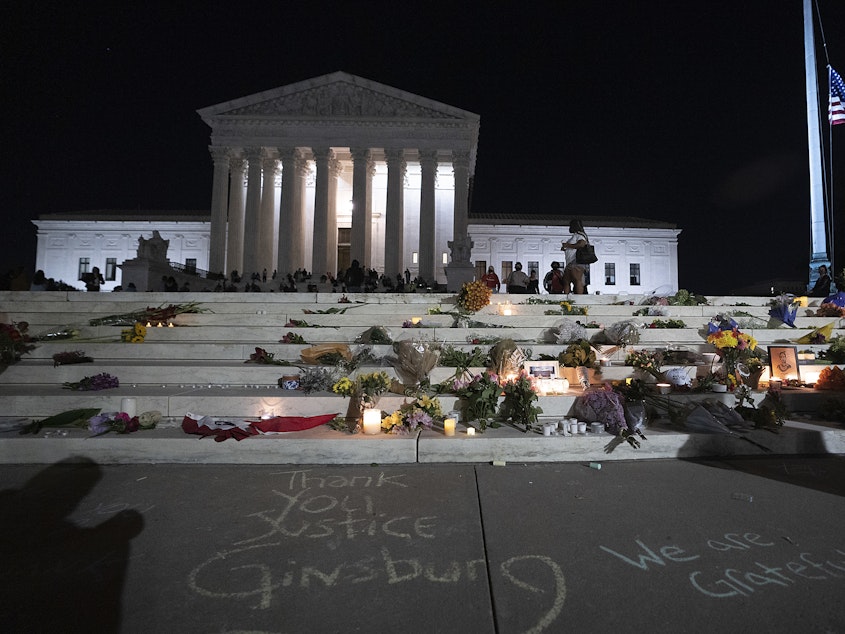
{"x": 301, "y": 170}
{"x": 315, "y": 174}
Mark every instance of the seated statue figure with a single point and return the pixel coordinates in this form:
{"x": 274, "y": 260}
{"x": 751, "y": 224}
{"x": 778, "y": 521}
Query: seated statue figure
{"x": 154, "y": 248}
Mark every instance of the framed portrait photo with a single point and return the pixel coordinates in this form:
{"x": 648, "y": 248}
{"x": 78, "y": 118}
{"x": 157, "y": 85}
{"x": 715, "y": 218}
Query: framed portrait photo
{"x": 542, "y": 369}
{"x": 783, "y": 362}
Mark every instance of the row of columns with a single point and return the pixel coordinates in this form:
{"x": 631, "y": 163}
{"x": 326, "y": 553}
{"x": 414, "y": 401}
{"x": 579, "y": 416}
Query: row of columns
{"x": 243, "y": 230}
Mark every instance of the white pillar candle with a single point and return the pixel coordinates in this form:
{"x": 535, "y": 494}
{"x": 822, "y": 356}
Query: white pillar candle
{"x": 129, "y": 406}
{"x": 470, "y": 431}
{"x": 449, "y": 427}
{"x": 372, "y": 421}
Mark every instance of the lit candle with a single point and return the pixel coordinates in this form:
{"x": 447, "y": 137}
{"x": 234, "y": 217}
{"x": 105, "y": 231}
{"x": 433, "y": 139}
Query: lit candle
{"x": 129, "y": 406}
{"x": 470, "y": 431}
{"x": 169, "y": 324}
{"x": 664, "y": 388}
{"x": 416, "y": 320}
{"x": 812, "y": 378}
{"x": 775, "y": 384}
{"x": 372, "y": 421}
{"x": 507, "y": 312}
{"x": 449, "y": 427}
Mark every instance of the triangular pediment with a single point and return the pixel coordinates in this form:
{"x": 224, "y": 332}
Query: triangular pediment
{"x": 337, "y": 96}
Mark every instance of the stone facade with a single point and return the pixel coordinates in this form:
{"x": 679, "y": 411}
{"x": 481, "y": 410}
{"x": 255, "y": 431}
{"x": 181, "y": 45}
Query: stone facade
{"x": 71, "y": 244}
{"x": 635, "y": 255}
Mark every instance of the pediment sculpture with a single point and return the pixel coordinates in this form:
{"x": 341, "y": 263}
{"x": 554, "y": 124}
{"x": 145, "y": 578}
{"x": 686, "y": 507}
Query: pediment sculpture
{"x": 340, "y": 99}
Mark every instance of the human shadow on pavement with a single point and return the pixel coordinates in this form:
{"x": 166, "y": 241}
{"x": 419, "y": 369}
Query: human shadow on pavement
{"x": 57, "y": 575}
{"x": 824, "y": 473}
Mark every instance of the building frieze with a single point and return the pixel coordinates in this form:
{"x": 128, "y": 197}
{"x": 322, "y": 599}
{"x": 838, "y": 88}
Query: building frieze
{"x": 337, "y": 100}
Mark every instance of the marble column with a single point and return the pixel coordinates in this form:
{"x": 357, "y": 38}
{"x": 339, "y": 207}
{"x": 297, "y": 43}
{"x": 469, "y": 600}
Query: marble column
{"x": 394, "y": 244}
{"x": 460, "y": 269}
{"x": 320, "y": 254}
{"x": 267, "y": 217}
{"x": 235, "y": 240}
{"x": 331, "y": 225}
{"x": 362, "y": 216}
{"x": 297, "y": 252}
{"x": 219, "y": 208}
{"x": 460, "y": 168}
{"x": 252, "y": 226}
{"x": 428, "y": 165}
{"x": 290, "y": 216}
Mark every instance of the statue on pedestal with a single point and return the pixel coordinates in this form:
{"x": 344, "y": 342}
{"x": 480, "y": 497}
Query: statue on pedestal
{"x": 461, "y": 248}
{"x": 154, "y": 248}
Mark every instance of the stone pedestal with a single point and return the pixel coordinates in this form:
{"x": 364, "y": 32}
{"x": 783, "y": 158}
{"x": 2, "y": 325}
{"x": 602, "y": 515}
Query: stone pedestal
{"x": 457, "y": 274}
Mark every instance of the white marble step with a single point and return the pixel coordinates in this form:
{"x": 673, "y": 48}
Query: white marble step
{"x": 174, "y": 400}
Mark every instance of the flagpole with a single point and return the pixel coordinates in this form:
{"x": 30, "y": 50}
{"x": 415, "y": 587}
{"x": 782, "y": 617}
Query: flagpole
{"x": 818, "y": 234}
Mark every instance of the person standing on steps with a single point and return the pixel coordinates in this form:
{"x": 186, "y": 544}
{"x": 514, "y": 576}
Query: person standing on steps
{"x": 575, "y": 274}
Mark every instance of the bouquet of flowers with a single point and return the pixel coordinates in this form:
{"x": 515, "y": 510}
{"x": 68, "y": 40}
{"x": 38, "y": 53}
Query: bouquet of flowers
{"x": 14, "y": 342}
{"x": 649, "y": 362}
{"x": 162, "y": 314}
{"x": 506, "y": 358}
{"x": 568, "y": 308}
{"x": 474, "y": 296}
{"x": 375, "y": 335}
{"x": 266, "y": 358}
{"x": 410, "y": 417}
{"x": 835, "y": 352}
{"x": 292, "y": 337}
{"x": 830, "y": 310}
{"x": 580, "y": 353}
{"x": 480, "y": 396}
{"x": 69, "y": 358}
{"x": 518, "y": 405}
{"x": 622, "y": 333}
{"x": 102, "y": 381}
{"x": 831, "y": 378}
{"x": 607, "y": 406}
{"x": 122, "y": 423}
{"x": 784, "y": 308}
{"x": 414, "y": 360}
{"x": 136, "y": 334}
{"x": 365, "y": 387}
{"x": 732, "y": 345}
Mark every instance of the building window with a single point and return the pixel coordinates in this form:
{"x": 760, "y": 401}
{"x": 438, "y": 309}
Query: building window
{"x": 609, "y": 274}
{"x": 111, "y": 269}
{"x": 415, "y": 258}
{"x": 84, "y": 267}
{"x": 635, "y": 274}
{"x": 190, "y": 265}
{"x": 534, "y": 267}
{"x": 445, "y": 258}
{"x": 480, "y": 268}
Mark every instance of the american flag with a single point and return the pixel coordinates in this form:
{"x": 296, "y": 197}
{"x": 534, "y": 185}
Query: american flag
{"x": 836, "y": 111}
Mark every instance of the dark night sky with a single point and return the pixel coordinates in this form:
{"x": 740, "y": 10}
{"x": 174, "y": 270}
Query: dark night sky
{"x": 692, "y": 113}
